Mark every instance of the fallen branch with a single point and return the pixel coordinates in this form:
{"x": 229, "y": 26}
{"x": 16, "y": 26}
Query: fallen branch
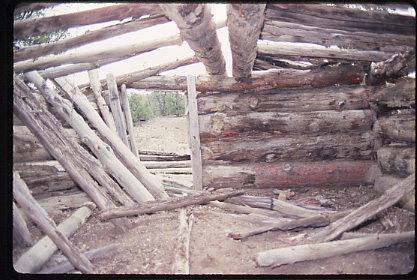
{"x": 92, "y": 254}
{"x": 165, "y": 205}
{"x": 181, "y": 263}
{"x": 315, "y": 221}
{"x": 307, "y": 252}
{"x": 367, "y": 211}
{"x": 249, "y": 210}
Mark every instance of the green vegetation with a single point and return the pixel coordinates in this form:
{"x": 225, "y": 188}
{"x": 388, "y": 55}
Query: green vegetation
{"x": 156, "y": 104}
{"x": 39, "y": 39}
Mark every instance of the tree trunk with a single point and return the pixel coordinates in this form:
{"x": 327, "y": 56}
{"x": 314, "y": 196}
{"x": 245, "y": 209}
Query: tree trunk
{"x": 198, "y": 29}
{"x": 244, "y": 22}
{"x": 261, "y": 81}
{"x": 33, "y": 259}
{"x": 400, "y": 127}
{"x": 397, "y": 160}
{"x": 286, "y": 174}
{"x": 22, "y": 195}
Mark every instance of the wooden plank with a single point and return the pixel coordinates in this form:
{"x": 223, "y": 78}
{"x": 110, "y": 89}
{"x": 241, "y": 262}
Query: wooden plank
{"x": 101, "y": 103}
{"x": 198, "y": 29}
{"x": 88, "y": 37}
{"x": 33, "y": 259}
{"x": 129, "y": 122}
{"x": 221, "y": 125}
{"x": 339, "y": 98}
{"x": 365, "y": 212}
{"x": 397, "y": 160}
{"x": 306, "y": 252}
{"x": 45, "y": 25}
{"x": 22, "y": 195}
{"x": 128, "y": 159}
{"x": 174, "y": 203}
{"x": 261, "y": 81}
{"x": 399, "y": 127}
{"x": 341, "y": 173}
{"x": 270, "y": 147}
{"x": 194, "y": 134}
{"x": 244, "y": 21}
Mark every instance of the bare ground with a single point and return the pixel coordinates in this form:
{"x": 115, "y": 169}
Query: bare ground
{"x": 147, "y": 248}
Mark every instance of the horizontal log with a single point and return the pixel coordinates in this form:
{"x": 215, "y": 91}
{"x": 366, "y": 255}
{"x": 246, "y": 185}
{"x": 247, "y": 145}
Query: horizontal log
{"x": 166, "y": 205}
{"x": 171, "y": 170}
{"x": 348, "y": 97}
{"x": 283, "y": 31}
{"x": 33, "y": 52}
{"x": 167, "y": 164}
{"x": 399, "y": 127}
{"x": 346, "y": 19}
{"x": 397, "y": 160}
{"x": 247, "y": 147}
{"x": 286, "y": 175}
{"x": 260, "y": 80}
{"x": 400, "y": 94}
{"x": 280, "y": 49}
{"x": 219, "y": 124}
{"x": 384, "y": 182}
{"x": 43, "y": 25}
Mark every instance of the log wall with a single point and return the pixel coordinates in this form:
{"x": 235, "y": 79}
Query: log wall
{"x": 286, "y": 138}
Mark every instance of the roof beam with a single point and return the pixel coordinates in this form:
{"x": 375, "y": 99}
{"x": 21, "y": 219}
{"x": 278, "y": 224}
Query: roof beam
{"x": 199, "y": 30}
{"x": 245, "y": 22}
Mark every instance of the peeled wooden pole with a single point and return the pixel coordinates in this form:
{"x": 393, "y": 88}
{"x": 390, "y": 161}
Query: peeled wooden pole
{"x": 116, "y": 108}
{"x": 20, "y": 230}
{"x": 181, "y": 261}
{"x": 33, "y": 259}
{"x": 22, "y": 195}
{"x": 290, "y": 255}
{"x": 129, "y": 121}
{"x": 123, "y": 152}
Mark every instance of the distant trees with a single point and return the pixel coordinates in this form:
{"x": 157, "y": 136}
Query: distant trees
{"x": 156, "y": 104}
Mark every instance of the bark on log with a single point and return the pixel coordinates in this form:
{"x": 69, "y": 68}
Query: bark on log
{"x": 285, "y": 175}
{"x": 21, "y": 234}
{"x": 284, "y": 31}
{"x": 32, "y": 260}
{"x": 369, "y": 210}
{"x": 398, "y": 95}
{"x": 45, "y": 25}
{"x": 285, "y": 225}
{"x": 22, "y": 195}
{"x": 261, "y": 81}
{"x": 244, "y": 22}
{"x": 97, "y": 57}
{"x": 347, "y": 19}
{"x": 221, "y": 125}
{"x": 127, "y": 157}
{"x": 397, "y": 160}
{"x": 33, "y": 52}
{"x": 306, "y": 252}
{"x": 337, "y": 98}
{"x": 385, "y": 182}
{"x": 394, "y": 67}
{"x": 166, "y": 205}
{"x": 399, "y": 127}
{"x": 181, "y": 260}
{"x": 198, "y": 29}
{"x": 101, "y": 103}
{"x": 270, "y": 147}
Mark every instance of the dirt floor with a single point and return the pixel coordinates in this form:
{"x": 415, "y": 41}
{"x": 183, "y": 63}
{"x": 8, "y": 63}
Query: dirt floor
{"x": 148, "y": 247}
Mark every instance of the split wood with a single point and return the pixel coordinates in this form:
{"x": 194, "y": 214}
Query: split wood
{"x": 290, "y": 255}
{"x": 23, "y": 196}
{"x": 367, "y": 211}
{"x": 165, "y": 205}
{"x": 314, "y": 221}
{"x": 181, "y": 263}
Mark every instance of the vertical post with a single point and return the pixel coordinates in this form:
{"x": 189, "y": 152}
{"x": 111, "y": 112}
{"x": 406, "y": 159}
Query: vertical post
{"x": 194, "y": 134}
{"x": 116, "y": 108}
{"x": 129, "y": 121}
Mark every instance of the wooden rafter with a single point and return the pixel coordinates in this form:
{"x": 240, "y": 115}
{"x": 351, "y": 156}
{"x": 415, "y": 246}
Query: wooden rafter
{"x": 245, "y": 22}
{"x": 198, "y": 29}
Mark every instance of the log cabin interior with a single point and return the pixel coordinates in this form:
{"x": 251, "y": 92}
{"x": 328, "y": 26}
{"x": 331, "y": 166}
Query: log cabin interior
{"x": 319, "y": 96}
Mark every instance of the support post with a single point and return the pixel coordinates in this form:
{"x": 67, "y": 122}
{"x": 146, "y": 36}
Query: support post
{"x": 129, "y": 122}
{"x": 194, "y": 134}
